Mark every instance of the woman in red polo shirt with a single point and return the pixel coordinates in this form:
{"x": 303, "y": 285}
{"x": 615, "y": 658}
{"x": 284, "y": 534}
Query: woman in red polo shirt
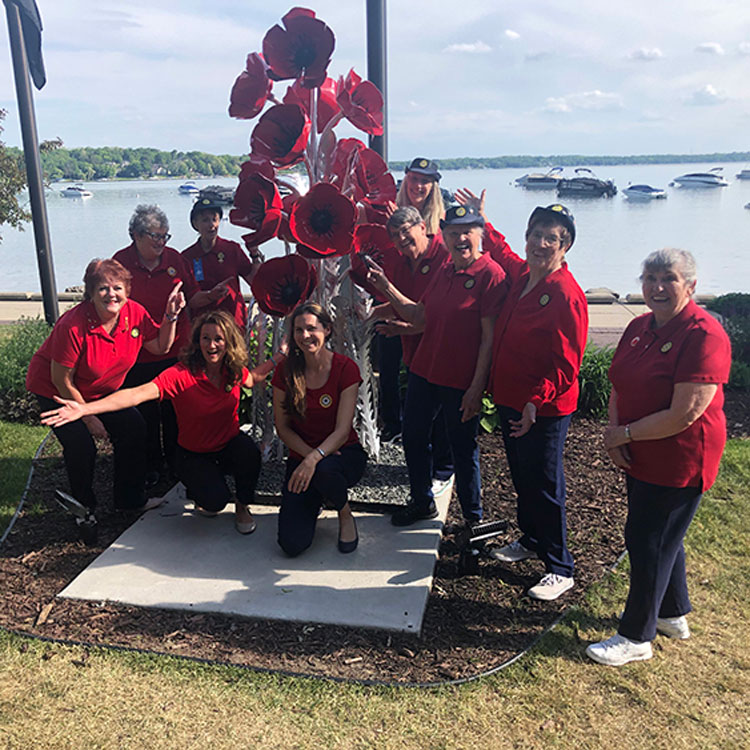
{"x": 204, "y": 388}
{"x": 156, "y": 269}
{"x": 667, "y": 431}
{"x": 87, "y": 356}
{"x": 448, "y": 371}
{"x": 314, "y": 398}
{"x": 538, "y": 346}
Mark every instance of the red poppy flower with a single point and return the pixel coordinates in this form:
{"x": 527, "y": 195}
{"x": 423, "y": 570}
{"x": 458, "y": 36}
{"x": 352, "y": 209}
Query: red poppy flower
{"x": 374, "y": 241}
{"x": 301, "y": 50}
{"x": 323, "y": 219}
{"x": 283, "y": 283}
{"x": 376, "y": 214}
{"x": 361, "y": 172}
{"x": 307, "y": 252}
{"x": 284, "y": 232}
{"x": 257, "y": 164}
{"x": 361, "y": 102}
{"x": 257, "y": 205}
{"x": 281, "y": 135}
{"x": 328, "y": 107}
{"x": 251, "y": 89}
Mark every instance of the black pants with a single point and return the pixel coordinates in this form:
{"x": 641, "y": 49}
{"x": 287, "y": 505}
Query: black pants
{"x": 658, "y": 519}
{"x": 389, "y": 370}
{"x": 333, "y": 476}
{"x": 203, "y": 474}
{"x": 127, "y": 432}
{"x": 161, "y": 422}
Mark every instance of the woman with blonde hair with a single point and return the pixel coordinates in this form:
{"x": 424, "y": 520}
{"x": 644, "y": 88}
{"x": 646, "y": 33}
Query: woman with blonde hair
{"x": 204, "y": 388}
{"x": 420, "y": 188}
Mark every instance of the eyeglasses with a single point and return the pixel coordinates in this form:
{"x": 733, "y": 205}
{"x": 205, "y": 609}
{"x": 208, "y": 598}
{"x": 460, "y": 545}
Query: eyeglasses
{"x": 156, "y": 237}
{"x": 403, "y": 230}
{"x": 548, "y": 239}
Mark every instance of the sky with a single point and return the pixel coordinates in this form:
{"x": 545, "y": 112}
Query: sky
{"x": 467, "y": 78}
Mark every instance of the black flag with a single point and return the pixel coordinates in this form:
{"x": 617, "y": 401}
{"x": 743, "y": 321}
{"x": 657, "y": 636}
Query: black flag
{"x": 31, "y": 25}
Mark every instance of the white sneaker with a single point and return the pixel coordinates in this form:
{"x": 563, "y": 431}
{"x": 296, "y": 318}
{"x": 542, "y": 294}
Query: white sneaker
{"x": 619, "y": 650}
{"x": 673, "y": 627}
{"x": 439, "y": 486}
{"x": 513, "y": 552}
{"x": 550, "y": 587}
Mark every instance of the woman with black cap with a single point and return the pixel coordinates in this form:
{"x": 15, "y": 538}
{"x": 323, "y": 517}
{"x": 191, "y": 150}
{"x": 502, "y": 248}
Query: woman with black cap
{"x": 449, "y": 368}
{"x": 420, "y": 189}
{"x": 538, "y": 346}
{"x": 217, "y": 264}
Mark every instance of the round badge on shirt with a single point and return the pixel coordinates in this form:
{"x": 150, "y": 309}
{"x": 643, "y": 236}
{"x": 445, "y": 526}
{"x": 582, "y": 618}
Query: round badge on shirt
{"x": 425, "y": 268}
{"x": 469, "y": 283}
{"x": 172, "y": 271}
{"x": 666, "y": 347}
{"x": 634, "y": 341}
{"x": 544, "y": 300}
{"x": 325, "y": 401}
{"x": 135, "y": 333}
{"x": 220, "y": 257}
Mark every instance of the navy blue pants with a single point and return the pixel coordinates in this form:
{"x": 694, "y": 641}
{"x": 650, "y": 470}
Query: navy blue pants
{"x": 127, "y": 433}
{"x": 658, "y": 519}
{"x": 536, "y": 466}
{"x": 203, "y": 474}
{"x": 424, "y": 403}
{"x": 389, "y": 371}
{"x": 161, "y": 421}
{"x": 298, "y": 514}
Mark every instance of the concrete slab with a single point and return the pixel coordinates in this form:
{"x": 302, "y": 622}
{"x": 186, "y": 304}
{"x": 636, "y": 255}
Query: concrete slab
{"x": 172, "y": 558}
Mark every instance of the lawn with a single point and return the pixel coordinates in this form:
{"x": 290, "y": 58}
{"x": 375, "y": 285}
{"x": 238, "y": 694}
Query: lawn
{"x": 692, "y": 694}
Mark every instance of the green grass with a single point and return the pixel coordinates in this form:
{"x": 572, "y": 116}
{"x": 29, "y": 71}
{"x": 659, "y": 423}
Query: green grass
{"x": 692, "y": 694}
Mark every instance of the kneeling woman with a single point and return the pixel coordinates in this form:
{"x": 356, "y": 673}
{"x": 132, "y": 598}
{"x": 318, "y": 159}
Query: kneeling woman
{"x": 204, "y": 388}
{"x": 314, "y": 398}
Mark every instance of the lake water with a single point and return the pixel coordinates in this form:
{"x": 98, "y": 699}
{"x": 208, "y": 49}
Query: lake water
{"x": 614, "y": 234}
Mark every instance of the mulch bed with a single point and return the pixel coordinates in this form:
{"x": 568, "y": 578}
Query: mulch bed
{"x": 472, "y": 623}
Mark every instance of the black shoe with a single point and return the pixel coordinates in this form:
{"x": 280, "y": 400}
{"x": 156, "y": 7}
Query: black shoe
{"x": 346, "y": 547}
{"x": 87, "y": 530}
{"x": 70, "y": 504}
{"x": 413, "y": 513}
{"x": 390, "y": 435}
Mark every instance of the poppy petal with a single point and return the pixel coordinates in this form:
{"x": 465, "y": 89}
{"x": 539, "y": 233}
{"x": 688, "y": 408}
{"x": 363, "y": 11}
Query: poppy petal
{"x": 281, "y": 135}
{"x": 324, "y": 220}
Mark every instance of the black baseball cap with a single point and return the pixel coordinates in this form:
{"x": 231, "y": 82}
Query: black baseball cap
{"x": 559, "y": 213}
{"x": 462, "y": 215}
{"x": 204, "y": 204}
{"x": 420, "y": 165}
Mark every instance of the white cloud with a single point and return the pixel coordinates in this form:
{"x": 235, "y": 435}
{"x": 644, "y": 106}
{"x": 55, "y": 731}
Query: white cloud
{"x": 477, "y": 47}
{"x": 596, "y": 100}
{"x": 744, "y": 48}
{"x": 710, "y": 48}
{"x": 706, "y": 96}
{"x": 512, "y": 34}
{"x": 646, "y": 53}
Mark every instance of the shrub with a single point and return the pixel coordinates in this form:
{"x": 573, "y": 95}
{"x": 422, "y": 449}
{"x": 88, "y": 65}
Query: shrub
{"x": 735, "y": 310}
{"x": 594, "y": 383}
{"x": 16, "y": 350}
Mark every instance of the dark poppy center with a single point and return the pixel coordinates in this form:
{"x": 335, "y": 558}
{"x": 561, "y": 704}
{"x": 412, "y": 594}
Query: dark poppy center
{"x": 304, "y": 54}
{"x": 321, "y": 221}
{"x": 289, "y": 291}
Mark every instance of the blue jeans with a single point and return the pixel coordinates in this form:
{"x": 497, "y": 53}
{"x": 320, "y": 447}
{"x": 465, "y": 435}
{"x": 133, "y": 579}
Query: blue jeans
{"x": 424, "y": 402}
{"x": 658, "y": 518}
{"x": 536, "y": 466}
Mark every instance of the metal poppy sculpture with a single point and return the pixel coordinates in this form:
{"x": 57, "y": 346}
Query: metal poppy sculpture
{"x": 316, "y": 221}
{"x": 371, "y": 241}
{"x": 283, "y": 283}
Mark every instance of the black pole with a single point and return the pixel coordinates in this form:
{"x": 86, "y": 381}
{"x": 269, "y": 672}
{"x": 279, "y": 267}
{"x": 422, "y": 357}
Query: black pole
{"x": 33, "y": 164}
{"x": 377, "y": 66}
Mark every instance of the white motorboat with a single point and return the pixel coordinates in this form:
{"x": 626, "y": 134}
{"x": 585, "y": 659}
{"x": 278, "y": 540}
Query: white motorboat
{"x": 540, "y": 180}
{"x": 188, "y": 188}
{"x": 709, "y": 179}
{"x": 643, "y": 193}
{"x": 586, "y": 185}
{"x": 743, "y": 174}
{"x": 76, "y": 191}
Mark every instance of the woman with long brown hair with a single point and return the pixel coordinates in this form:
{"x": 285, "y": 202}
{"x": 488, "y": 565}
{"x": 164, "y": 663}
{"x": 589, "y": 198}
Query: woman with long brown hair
{"x": 314, "y": 398}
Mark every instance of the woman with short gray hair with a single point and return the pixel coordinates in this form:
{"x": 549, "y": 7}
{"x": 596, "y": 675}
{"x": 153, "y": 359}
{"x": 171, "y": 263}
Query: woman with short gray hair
{"x": 667, "y": 432}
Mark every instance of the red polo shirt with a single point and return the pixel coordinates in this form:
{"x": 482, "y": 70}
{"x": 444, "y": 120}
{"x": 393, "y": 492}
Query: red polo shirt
{"x": 225, "y": 259}
{"x": 101, "y": 360}
{"x": 413, "y": 281}
{"x": 690, "y": 348}
{"x": 151, "y": 289}
{"x": 206, "y": 415}
{"x": 539, "y": 338}
{"x": 454, "y": 304}
{"x": 322, "y": 404}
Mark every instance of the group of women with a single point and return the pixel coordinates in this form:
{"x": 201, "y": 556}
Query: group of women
{"x": 470, "y": 316}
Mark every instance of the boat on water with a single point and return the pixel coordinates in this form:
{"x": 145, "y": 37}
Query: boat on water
{"x": 540, "y": 180}
{"x": 643, "y": 193}
{"x": 710, "y": 179}
{"x": 217, "y": 194}
{"x": 743, "y": 174}
{"x": 188, "y": 188}
{"x": 585, "y": 185}
{"x": 76, "y": 191}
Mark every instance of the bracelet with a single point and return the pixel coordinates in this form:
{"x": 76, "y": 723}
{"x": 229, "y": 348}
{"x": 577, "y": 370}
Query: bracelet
{"x": 322, "y": 452}
{"x": 171, "y": 318}
{"x": 272, "y": 360}
{"x": 627, "y": 433}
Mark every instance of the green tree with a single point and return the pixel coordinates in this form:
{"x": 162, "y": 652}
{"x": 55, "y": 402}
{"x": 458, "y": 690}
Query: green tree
{"x": 12, "y": 182}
